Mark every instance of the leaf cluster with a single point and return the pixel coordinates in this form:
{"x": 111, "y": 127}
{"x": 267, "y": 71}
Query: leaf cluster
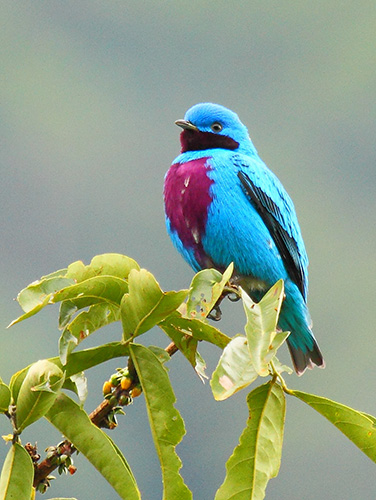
{"x": 113, "y": 288}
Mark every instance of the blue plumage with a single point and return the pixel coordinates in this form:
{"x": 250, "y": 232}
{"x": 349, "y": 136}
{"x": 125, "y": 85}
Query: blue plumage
{"x": 224, "y": 205}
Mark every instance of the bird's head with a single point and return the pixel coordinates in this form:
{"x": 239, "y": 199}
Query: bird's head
{"x": 207, "y": 126}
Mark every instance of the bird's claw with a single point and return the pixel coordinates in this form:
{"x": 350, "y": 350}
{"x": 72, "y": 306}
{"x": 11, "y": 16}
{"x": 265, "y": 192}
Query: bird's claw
{"x": 215, "y": 314}
{"x": 232, "y": 293}
{"x": 233, "y": 297}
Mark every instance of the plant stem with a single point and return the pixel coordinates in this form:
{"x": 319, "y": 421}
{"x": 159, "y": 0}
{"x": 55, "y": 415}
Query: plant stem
{"x": 276, "y": 374}
{"x": 99, "y": 417}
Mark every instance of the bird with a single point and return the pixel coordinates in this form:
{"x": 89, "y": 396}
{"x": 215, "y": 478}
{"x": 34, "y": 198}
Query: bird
{"x": 223, "y": 205}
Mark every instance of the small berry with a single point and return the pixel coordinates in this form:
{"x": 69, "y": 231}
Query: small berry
{"x": 107, "y": 387}
{"x": 72, "y": 469}
{"x": 125, "y": 383}
{"x": 136, "y": 391}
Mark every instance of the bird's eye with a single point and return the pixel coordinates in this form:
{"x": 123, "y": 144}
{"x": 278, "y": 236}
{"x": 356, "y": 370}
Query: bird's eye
{"x": 216, "y": 127}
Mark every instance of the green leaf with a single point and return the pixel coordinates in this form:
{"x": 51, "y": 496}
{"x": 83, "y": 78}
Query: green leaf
{"x": 87, "y": 358}
{"x": 200, "y": 367}
{"x": 33, "y": 311}
{"x": 40, "y": 293}
{"x": 16, "y": 382}
{"x": 187, "y": 345}
{"x": 4, "y": 397}
{"x": 257, "y": 457}
{"x": 60, "y": 273}
{"x": 196, "y": 328}
{"x": 146, "y": 305}
{"x": 84, "y": 324}
{"x": 261, "y": 327}
{"x": 110, "y": 264}
{"x": 234, "y": 370}
{"x": 67, "y": 309}
{"x": 17, "y": 475}
{"x": 34, "y": 295}
{"x": 94, "y": 444}
{"x": 167, "y": 426}
{"x": 206, "y": 288}
{"x": 38, "y": 392}
{"x": 161, "y": 353}
{"x": 80, "y": 381}
{"x": 105, "y": 288}
{"x": 359, "y": 427}
{"x": 78, "y": 362}
{"x": 186, "y": 333}
{"x": 280, "y": 368}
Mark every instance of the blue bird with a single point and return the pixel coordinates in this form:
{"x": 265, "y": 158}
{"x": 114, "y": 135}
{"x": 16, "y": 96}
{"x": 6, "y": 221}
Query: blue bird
{"x": 224, "y": 205}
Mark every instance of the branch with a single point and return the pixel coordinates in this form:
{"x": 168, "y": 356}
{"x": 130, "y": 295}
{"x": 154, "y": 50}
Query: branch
{"x": 101, "y": 417}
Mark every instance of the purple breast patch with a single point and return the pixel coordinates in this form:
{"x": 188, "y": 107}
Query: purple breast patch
{"x": 187, "y": 199}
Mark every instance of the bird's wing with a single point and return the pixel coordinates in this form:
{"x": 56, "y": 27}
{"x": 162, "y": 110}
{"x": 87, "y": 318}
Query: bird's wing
{"x": 266, "y": 193}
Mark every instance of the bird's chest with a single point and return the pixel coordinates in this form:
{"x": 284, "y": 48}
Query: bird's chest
{"x": 187, "y": 199}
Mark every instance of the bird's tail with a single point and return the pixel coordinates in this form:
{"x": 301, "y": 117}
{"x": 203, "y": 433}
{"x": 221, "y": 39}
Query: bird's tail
{"x": 304, "y": 349}
{"x": 306, "y": 356}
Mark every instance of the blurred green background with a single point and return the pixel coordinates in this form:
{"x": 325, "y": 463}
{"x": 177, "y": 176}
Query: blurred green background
{"x": 89, "y": 94}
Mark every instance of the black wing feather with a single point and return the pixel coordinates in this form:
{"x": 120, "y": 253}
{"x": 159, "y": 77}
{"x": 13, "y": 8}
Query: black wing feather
{"x": 271, "y": 215}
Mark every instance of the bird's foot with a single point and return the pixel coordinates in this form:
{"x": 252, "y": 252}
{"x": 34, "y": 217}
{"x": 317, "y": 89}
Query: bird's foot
{"x": 230, "y": 291}
{"x": 216, "y": 313}
{"x": 233, "y": 297}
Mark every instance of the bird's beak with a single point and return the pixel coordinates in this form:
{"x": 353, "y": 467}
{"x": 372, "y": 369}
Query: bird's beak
{"x": 186, "y": 125}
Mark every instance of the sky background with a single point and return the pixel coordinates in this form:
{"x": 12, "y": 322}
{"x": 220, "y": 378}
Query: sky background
{"x": 89, "y": 94}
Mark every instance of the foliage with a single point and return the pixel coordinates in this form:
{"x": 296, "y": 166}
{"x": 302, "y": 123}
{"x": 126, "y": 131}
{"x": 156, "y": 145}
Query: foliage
{"x": 113, "y": 288}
